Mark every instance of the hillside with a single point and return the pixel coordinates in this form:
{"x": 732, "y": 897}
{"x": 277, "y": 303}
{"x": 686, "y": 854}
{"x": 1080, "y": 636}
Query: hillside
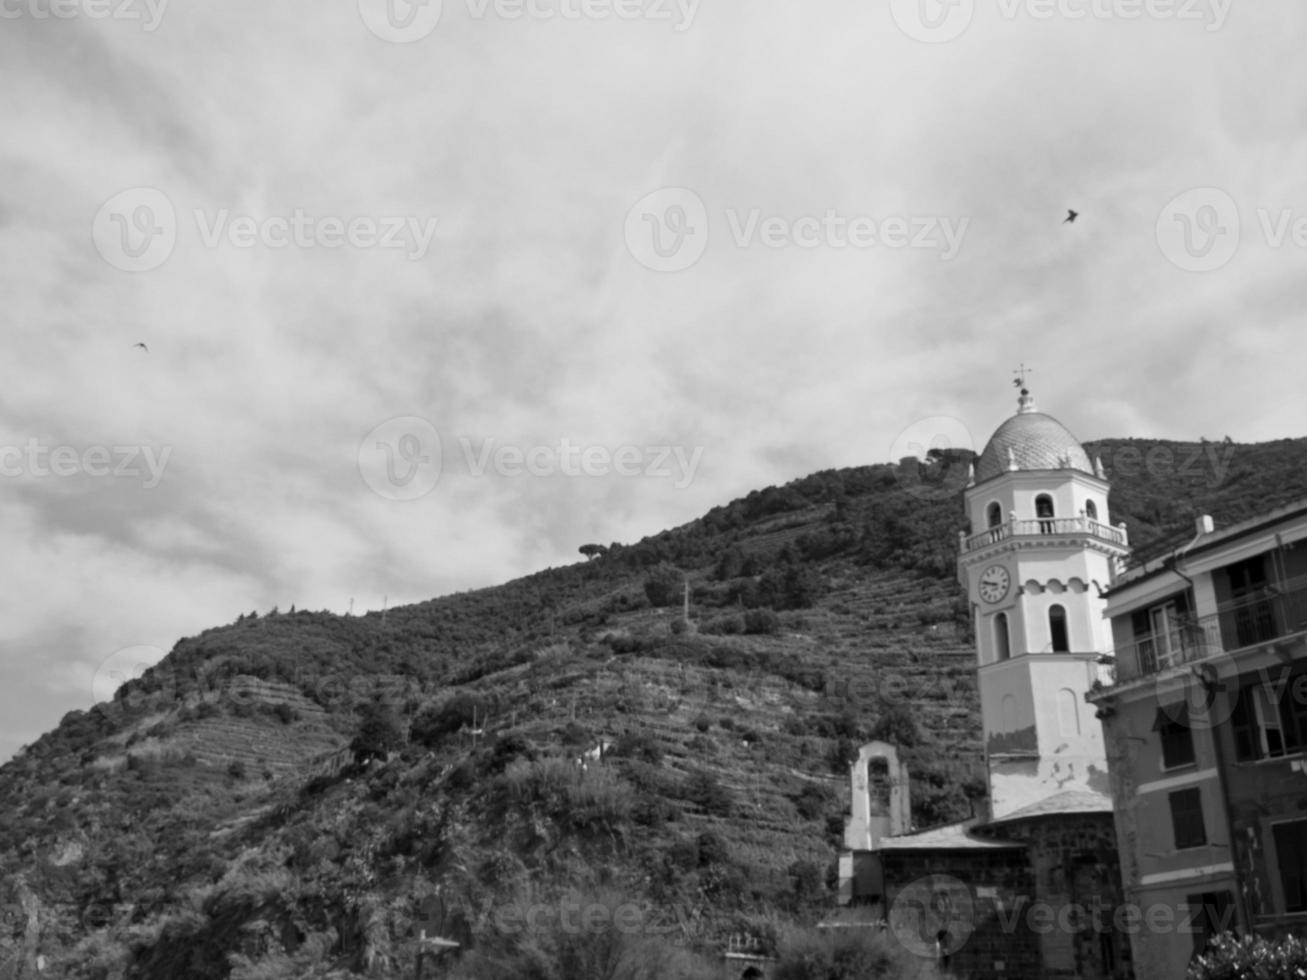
{"x": 299, "y": 794}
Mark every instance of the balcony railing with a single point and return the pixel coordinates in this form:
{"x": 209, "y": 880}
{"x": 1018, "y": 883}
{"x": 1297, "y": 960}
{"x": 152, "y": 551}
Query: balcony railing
{"x": 1261, "y": 617}
{"x": 1046, "y": 526}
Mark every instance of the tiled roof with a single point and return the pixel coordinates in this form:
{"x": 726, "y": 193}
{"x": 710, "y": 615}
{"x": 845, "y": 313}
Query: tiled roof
{"x": 952, "y": 837}
{"x": 1070, "y": 801}
{"x": 1037, "y": 442}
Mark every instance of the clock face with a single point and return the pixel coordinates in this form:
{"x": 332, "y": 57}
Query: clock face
{"x": 994, "y": 583}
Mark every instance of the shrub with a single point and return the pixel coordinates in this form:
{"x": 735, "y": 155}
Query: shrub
{"x": 761, "y": 622}
{"x": 285, "y": 713}
{"x": 724, "y": 626}
{"x": 436, "y": 722}
{"x": 378, "y": 733}
{"x": 897, "y": 726}
{"x": 1250, "y": 958}
{"x": 712, "y": 850}
{"x": 847, "y": 954}
{"x": 665, "y": 585}
{"x": 813, "y": 801}
{"x": 703, "y": 789}
{"x": 641, "y": 746}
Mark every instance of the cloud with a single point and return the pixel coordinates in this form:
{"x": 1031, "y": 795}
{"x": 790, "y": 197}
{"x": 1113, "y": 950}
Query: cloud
{"x": 528, "y": 322}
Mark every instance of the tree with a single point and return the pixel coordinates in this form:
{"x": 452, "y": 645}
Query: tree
{"x": 665, "y": 585}
{"x": 436, "y": 722}
{"x": 897, "y": 726}
{"x": 592, "y": 551}
{"x": 378, "y": 733}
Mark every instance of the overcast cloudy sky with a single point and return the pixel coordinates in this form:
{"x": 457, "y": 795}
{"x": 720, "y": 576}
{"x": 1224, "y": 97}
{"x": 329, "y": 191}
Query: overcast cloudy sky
{"x": 433, "y": 294}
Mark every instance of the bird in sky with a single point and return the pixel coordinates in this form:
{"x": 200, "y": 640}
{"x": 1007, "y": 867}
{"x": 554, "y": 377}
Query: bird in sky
{"x": 1071, "y": 217}
{"x": 142, "y": 347}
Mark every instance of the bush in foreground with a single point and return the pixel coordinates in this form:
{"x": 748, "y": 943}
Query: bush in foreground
{"x": 1251, "y": 958}
{"x": 848, "y": 954}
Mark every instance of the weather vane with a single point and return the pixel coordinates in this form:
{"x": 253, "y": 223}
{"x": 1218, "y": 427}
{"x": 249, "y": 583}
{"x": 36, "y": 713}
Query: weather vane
{"x": 1020, "y": 380}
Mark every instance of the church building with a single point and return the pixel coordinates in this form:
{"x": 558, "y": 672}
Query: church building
{"x": 1031, "y": 888}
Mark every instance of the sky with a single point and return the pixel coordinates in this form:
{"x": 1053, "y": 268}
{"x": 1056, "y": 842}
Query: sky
{"x": 431, "y": 294}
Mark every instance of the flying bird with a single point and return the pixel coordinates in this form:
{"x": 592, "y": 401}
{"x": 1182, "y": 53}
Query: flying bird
{"x": 1071, "y": 217}
{"x": 142, "y": 347}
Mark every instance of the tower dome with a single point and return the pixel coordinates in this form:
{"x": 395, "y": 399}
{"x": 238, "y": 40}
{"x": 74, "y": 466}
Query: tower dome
{"x": 1031, "y": 440}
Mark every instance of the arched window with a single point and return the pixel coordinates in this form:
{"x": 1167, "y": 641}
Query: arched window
{"x": 1057, "y": 628}
{"x": 1091, "y": 510}
{"x": 995, "y": 515}
{"x": 1044, "y": 511}
{"x": 1002, "y": 640}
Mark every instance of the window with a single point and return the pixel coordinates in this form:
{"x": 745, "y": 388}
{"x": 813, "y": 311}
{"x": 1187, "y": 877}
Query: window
{"x": 1002, "y": 639}
{"x": 1172, "y": 725}
{"x": 1210, "y": 914}
{"x": 1091, "y": 510}
{"x": 1044, "y": 512}
{"x": 1057, "y": 629}
{"x": 1187, "y": 818}
{"x": 1291, "y": 857}
{"x": 1164, "y": 634}
{"x": 1249, "y": 616}
{"x": 1266, "y": 726}
{"x": 995, "y": 515}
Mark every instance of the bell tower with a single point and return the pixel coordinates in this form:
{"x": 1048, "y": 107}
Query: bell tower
{"x": 1040, "y": 551}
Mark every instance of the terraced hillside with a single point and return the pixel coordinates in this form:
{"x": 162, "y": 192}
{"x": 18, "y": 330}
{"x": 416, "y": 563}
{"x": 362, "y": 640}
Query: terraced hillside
{"x": 284, "y": 796}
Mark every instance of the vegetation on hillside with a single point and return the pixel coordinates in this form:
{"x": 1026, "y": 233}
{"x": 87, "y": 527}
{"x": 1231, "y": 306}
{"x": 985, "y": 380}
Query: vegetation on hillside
{"x": 304, "y": 794}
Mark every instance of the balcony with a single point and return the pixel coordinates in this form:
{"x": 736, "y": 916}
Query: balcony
{"x": 1263, "y": 616}
{"x": 1044, "y": 527}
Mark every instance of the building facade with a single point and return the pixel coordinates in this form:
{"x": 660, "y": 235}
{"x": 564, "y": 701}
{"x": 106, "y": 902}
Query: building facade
{"x": 1205, "y": 720}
